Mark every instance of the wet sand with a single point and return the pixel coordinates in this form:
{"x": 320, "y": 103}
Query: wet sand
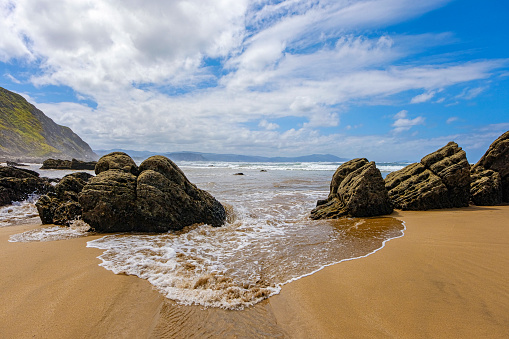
{"x": 447, "y": 277}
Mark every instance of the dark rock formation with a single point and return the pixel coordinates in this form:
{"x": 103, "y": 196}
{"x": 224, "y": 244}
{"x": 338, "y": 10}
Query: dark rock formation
{"x": 440, "y": 180}
{"x": 496, "y": 159}
{"x": 116, "y": 160}
{"x": 27, "y": 134}
{"x": 357, "y": 190}
{"x": 159, "y": 199}
{"x": 16, "y": 184}
{"x": 486, "y": 187}
{"x": 69, "y": 164}
{"x": 61, "y": 207}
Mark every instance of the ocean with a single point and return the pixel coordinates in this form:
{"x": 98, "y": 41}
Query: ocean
{"x": 268, "y": 241}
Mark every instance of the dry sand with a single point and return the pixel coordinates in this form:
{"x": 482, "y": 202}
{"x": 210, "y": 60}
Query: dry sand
{"x": 448, "y": 277}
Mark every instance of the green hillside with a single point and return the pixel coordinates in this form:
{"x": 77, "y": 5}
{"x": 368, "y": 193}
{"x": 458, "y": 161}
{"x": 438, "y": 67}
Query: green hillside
{"x": 27, "y": 133}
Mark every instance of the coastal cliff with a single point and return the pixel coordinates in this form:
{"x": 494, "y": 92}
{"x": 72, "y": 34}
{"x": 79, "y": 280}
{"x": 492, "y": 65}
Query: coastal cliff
{"x": 27, "y": 134}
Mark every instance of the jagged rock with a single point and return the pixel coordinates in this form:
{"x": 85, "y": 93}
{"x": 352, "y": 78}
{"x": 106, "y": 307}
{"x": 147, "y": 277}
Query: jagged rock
{"x": 159, "y": 199}
{"x": 62, "y": 207}
{"x": 69, "y": 164}
{"x": 116, "y": 160}
{"x": 16, "y": 184}
{"x": 450, "y": 164}
{"x": 496, "y": 159}
{"x": 416, "y": 188}
{"x": 486, "y": 187}
{"x": 440, "y": 180}
{"x": 357, "y": 190}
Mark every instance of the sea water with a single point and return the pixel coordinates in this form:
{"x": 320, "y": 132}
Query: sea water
{"x": 268, "y": 240}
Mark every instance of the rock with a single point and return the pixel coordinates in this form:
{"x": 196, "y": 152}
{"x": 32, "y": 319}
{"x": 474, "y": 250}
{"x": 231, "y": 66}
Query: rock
{"x": 116, "y": 160}
{"x": 357, "y": 190}
{"x": 56, "y": 164}
{"x": 159, "y": 199}
{"x": 109, "y": 201}
{"x": 166, "y": 199}
{"x": 440, "y": 180}
{"x": 496, "y": 159}
{"x": 66, "y": 164}
{"x": 486, "y": 187}
{"x": 62, "y": 206}
{"x": 240, "y": 173}
{"x": 17, "y": 184}
{"x": 416, "y": 188}
{"x": 450, "y": 164}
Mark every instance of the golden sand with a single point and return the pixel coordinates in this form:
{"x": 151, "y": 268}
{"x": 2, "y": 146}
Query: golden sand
{"x": 448, "y": 277}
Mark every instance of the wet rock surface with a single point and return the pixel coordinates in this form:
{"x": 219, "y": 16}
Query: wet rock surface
{"x": 440, "y": 180}
{"x": 61, "y": 207}
{"x": 16, "y": 184}
{"x": 156, "y": 197}
{"x": 357, "y": 190}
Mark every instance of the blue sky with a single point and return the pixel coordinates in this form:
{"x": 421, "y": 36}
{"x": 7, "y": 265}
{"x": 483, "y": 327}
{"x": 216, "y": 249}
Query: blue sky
{"x": 384, "y": 79}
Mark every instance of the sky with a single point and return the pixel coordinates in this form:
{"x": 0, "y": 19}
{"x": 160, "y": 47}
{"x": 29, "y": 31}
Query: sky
{"x": 390, "y": 80}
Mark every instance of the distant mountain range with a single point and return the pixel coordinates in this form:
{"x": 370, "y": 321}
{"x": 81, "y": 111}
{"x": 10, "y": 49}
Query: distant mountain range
{"x": 197, "y": 156}
{"x": 27, "y": 134}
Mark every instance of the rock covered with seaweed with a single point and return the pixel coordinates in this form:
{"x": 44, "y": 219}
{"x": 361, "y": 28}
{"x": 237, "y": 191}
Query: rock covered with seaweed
{"x": 156, "y": 197}
{"x": 357, "y": 190}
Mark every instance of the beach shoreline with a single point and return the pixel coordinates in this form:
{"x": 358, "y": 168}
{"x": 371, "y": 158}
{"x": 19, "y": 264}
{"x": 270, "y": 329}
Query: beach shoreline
{"x": 446, "y": 277}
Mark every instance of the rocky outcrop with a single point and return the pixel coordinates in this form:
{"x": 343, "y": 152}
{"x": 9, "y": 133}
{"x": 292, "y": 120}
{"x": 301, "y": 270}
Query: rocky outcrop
{"x": 156, "y": 197}
{"x": 16, "y": 184}
{"x": 69, "y": 164}
{"x": 496, "y": 159}
{"x": 357, "y": 190}
{"x": 61, "y": 207}
{"x": 440, "y": 180}
{"x": 486, "y": 187}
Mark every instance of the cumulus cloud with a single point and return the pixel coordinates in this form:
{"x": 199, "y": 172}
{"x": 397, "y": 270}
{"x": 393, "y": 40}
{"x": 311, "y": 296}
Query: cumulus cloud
{"x": 190, "y": 75}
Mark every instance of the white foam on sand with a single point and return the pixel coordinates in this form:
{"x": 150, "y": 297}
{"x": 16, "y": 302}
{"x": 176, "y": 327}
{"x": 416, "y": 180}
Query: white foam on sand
{"x": 77, "y": 229}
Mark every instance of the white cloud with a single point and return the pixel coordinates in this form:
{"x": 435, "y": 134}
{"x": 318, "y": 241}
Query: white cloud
{"x": 269, "y": 126}
{"x": 402, "y": 123}
{"x": 422, "y": 97}
{"x": 306, "y": 59}
{"x": 451, "y": 120}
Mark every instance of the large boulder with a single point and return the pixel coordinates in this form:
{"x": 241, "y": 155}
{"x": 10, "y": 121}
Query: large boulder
{"x": 440, "y": 180}
{"x": 109, "y": 201}
{"x": 17, "y": 184}
{"x": 167, "y": 200}
{"x": 158, "y": 199}
{"x": 61, "y": 207}
{"x": 357, "y": 190}
{"x": 486, "y": 187}
{"x": 416, "y": 188}
{"x": 496, "y": 159}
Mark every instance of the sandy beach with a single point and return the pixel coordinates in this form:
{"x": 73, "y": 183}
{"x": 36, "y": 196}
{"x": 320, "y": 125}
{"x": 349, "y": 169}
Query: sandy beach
{"x": 447, "y": 277}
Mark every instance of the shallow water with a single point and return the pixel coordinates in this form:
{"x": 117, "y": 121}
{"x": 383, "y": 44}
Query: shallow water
{"x": 268, "y": 241}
